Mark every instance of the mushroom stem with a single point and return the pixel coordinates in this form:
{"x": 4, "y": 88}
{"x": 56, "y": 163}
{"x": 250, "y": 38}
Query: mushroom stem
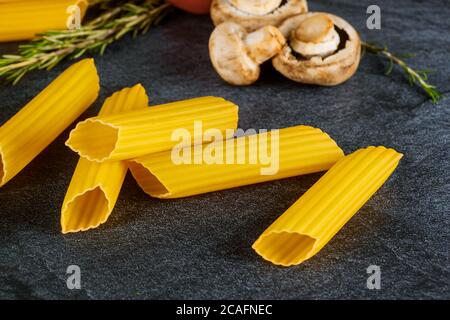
{"x": 315, "y": 36}
{"x": 263, "y": 44}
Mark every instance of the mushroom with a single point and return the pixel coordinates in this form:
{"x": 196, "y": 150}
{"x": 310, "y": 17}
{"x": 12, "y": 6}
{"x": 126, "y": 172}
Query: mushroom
{"x": 323, "y": 49}
{"x": 236, "y": 55}
{"x": 255, "y": 14}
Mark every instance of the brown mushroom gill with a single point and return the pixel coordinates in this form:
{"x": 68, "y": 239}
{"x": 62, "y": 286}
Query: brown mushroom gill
{"x": 343, "y": 38}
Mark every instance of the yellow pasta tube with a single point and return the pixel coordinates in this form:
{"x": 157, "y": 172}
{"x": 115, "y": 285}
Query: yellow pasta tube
{"x": 236, "y": 162}
{"x": 21, "y": 20}
{"x": 133, "y": 134}
{"x": 95, "y": 186}
{"x": 37, "y": 124}
{"x": 323, "y": 210}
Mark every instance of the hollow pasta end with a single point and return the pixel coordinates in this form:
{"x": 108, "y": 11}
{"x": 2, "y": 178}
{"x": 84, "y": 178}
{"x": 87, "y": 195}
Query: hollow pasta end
{"x": 94, "y": 140}
{"x": 86, "y": 211}
{"x": 147, "y": 180}
{"x": 285, "y": 248}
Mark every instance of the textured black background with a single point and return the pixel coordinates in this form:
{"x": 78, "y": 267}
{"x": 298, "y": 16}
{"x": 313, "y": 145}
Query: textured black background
{"x": 200, "y": 247}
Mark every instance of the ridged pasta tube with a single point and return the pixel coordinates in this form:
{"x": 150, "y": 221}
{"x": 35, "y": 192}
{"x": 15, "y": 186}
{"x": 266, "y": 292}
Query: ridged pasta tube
{"x": 307, "y": 226}
{"x": 236, "y": 162}
{"x": 22, "y": 20}
{"x": 37, "y": 124}
{"x": 94, "y": 187}
{"x": 134, "y": 134}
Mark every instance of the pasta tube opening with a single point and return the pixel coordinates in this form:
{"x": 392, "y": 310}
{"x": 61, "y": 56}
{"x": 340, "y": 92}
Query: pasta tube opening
{"x": 286, "y": 247}
{"x": 148, "y": 181}
{"x": 89, "y": 209}
{"x": 94, "y": 140}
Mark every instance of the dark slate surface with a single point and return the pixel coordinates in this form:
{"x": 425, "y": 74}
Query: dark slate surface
{"x": 201, "y": 247}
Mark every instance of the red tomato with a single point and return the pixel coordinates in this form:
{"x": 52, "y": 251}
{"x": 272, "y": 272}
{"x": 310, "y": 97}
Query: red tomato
{"x": 193, "y": 6}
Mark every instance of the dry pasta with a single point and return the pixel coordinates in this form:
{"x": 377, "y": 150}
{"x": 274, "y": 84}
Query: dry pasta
{"x": 37, "y": 124}
{"x": 21, "y": 20}
{"x": 95, "y": 186}
{"x": 323, "y": 210}
{"x": 133, "y": 134}
{"x": 296, "y": 151}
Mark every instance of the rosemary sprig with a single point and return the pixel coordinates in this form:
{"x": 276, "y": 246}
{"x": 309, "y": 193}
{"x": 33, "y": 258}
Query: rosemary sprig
{"x": 114, "y": 20}
{"x": 418, "y": 77}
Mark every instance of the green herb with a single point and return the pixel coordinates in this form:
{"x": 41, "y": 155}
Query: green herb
{"x": 114, "y": 20}
{"x": 418, "y": 77}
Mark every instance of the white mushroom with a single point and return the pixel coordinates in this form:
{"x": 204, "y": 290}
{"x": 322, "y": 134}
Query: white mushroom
{"x": 323, "y": 49}
{"x": 237, "y": 56}
{"x": 255, "y": 14}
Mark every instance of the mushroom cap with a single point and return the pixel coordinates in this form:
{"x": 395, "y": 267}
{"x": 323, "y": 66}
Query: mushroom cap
{"x": 224, "y": 10}
{"x": 327, "y": 71}
{"x": 228, "y": 55}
